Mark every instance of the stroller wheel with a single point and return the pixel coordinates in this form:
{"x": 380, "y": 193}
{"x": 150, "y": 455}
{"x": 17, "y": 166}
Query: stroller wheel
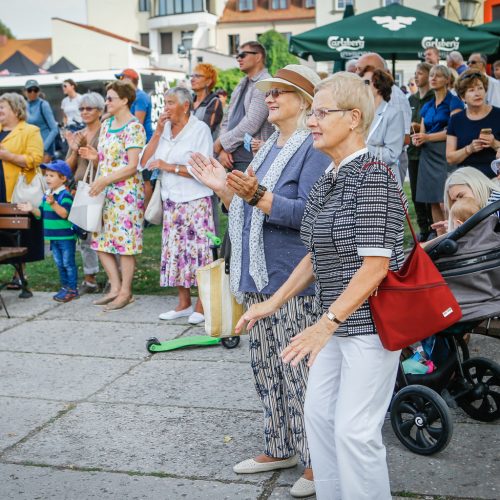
{"x": 482, "y": 402}
{"x": 421, "y": 419}
{"x": 230, "y": 342}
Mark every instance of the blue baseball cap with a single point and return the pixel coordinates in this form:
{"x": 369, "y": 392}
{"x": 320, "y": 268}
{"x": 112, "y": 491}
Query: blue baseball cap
{"x": 58, "y": 166}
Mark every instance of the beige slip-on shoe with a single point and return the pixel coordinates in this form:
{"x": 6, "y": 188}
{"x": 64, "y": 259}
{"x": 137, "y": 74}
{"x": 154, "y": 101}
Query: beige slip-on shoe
{"x": 303, "y": 488}
{"x": 251, "y": 466}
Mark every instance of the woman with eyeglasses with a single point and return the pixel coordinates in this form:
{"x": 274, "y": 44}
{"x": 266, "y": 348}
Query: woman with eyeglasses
{"x": 121, "y": 140}
{"x": 266, "y": 204}
{"x": 91, "y": 108}
{"x": 40, "y": 114}
{"x": 387, "y": 133}
{"x": 207, "y": 106}
{"x": 431, "y": 139}
{"x": 70, "y": 104}
{"x": 353, "y": 231}
{"x": 473, "y": 135}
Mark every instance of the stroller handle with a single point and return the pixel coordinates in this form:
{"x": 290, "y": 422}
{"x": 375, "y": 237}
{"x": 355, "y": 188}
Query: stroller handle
{"x": 448, "y": 246}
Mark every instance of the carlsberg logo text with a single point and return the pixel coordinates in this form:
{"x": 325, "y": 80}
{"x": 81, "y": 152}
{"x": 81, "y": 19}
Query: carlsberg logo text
{"x": 339, "y": 44}
{"x": 441, "y": 44}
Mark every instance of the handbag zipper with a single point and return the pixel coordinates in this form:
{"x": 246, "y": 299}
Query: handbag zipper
{"x": 408, "y": 289}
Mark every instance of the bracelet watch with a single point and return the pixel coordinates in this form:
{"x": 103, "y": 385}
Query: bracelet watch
{"x": 177, "y": 169}
{"x": 333, "y": 317}
{"x": 258, "y": 195}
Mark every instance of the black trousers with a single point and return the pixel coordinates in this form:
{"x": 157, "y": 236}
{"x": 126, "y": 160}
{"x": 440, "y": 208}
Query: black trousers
{"x": 422, "y": 210}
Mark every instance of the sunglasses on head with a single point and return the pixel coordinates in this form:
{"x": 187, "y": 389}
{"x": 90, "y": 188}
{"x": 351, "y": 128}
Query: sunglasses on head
{"x": 275, "y": 93}
{"x": 32, "y": 89}
{"x": 85, "y": 108}
{"x": 471, "y": 75}
{"x": 244, "y": 53}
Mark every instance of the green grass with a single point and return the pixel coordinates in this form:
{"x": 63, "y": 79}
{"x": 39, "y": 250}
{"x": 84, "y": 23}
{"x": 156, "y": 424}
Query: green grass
{"x": 42, "y": 276}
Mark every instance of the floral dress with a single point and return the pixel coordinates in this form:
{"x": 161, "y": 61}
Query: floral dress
{"x": 123, "y": 211}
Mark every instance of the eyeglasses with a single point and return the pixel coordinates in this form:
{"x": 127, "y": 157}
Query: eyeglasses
{"x": 111, "y": 99}
{"x": 321, "y": 113}
{"x": 32, "y": 89}
{"x": 197, "y": 75}
{"x": 86, "y": 108}
{"x": 244, "y": 53}
{"x": 275, "y": 93}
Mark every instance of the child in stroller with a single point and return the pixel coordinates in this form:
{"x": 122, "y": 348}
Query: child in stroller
{"x": 469, "y": 260}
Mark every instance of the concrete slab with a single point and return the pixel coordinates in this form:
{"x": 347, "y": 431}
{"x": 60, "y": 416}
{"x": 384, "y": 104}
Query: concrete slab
{"x": 24, "y": 482}
{"x": 145, "y": 307}
{"x": 197, "y": 384}
{"x": 63, "y": 378}
{"x": 106, "y": 339}
{"x": 21, "y": 416}
{"x": 452, "y": 472}
{"x": 198, "y": 444}
{"x": 28, "y": 308}
{"x": 7, "y": 323}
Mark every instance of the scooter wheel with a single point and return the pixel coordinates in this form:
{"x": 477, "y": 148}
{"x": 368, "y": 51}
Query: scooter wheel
{"x": 150, "y": 342}
{"x": 230, "y": 342}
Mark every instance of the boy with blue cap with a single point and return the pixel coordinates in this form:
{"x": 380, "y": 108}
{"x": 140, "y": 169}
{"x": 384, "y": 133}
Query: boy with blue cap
{"x": 54, "y": 209}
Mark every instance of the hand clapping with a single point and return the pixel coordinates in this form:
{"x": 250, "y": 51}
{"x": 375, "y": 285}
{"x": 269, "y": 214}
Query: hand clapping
{"x": 243, "y": 185}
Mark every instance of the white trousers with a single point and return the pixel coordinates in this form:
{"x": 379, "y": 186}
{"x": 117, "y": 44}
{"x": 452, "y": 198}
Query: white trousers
{"x": 349, "y": 390}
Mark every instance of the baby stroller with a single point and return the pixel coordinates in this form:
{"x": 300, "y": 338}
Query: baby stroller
{"x": 469, "y": 260}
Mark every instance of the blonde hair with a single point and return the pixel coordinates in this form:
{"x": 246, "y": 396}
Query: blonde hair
{"x": 478, "y": 183}
{"x": 350, "y": 92}
{"x": 17, "y": 103}
{"x": 461, "y": 210}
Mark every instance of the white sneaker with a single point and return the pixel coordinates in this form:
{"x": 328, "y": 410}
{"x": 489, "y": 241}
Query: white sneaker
{"x": 303, "y": 488}
{"x": 173, "y": 314}
{"x": 196, "y": 318}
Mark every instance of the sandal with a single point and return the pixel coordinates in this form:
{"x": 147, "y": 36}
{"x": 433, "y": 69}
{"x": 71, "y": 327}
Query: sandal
{"x": 15, "y": 284}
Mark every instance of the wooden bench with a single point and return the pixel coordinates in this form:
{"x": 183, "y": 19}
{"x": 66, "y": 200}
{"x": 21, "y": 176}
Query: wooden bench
{"x": 12, "y": 222}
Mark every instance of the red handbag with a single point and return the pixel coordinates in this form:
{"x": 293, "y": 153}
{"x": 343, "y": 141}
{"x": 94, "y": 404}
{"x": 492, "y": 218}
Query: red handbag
{"x": 413, "y": 303}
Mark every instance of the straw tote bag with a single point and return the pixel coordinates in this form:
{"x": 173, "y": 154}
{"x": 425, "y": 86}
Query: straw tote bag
{"x": 86, "y": 211}
{"x": 415, "y": 302}
{"x": 32, "y": 192}
{"x": 221, "y": 310}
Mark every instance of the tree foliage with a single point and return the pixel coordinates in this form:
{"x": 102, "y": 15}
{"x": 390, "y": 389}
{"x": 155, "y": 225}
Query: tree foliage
{"x": 4, "y": 30}
{"x": 278, "y": 55}
{"x": 227, "y": 79}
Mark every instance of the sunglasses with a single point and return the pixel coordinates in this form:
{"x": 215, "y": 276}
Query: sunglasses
{"x": 85, "y": 108}
{"x": 275, "y": 93}
{"x": 321, "y": 113}
{"x": 32, "y": 89}
{"x": 471, "y": 75}
{"x": 244, "y": 53}
{"x": 471, "y": 63}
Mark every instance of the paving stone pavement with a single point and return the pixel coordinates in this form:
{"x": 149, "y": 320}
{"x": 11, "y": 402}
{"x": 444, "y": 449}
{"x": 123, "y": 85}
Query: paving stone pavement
{"x": 87, "y": 413}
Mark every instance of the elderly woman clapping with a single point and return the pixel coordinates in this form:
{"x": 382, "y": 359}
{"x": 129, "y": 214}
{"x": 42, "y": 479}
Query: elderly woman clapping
{"x": 187, "y": 204}
{"x": 91, "y": 108}
{"x": 353, "y": 230}
{"x": 266, "y": 205}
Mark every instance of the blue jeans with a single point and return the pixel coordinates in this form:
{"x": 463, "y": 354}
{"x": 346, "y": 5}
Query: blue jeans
{"x": 63, "y": 252}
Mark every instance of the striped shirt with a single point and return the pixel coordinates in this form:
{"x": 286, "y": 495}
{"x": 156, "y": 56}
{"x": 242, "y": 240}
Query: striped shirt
{"x": 350, "y": 215}
{"x": 54, "y": 226}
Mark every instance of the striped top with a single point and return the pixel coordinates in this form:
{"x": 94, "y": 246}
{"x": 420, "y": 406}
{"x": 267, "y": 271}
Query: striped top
{"x": 350, "y": 215}
{"x": 55, "y": 227}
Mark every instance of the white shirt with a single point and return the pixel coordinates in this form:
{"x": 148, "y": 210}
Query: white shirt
{"x": 70, "y": 109}
{"x": 195, "y": 137}
{"x": 493, "y": 94}
{"x": 400, "y": 102}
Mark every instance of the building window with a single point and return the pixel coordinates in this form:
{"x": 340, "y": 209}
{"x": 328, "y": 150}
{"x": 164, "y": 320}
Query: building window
{"x": 385, "y": 3}
{"x": 170, "y": 7}
{"x": 342, "y": 4}
{"x": 144, "y": 39}
{"x": 245, "y": 5}
{"x": 144, "y": 6}
{"x": 310, "y": 4}
{"x": 279, "y": 4}
{"x": 166, "y": 43}
{"x": 234, "y": 43}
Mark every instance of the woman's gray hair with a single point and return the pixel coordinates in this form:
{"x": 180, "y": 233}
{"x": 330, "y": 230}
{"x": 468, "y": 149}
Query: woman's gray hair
{"x": 17, "y": 103}
{"x": 183, "y": 95}
{"x": 93, "y": 100}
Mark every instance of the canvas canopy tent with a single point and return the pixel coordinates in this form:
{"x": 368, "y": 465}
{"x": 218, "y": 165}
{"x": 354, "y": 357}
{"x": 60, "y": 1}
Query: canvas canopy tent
{"x": 19, "y": 64}
{"x": 493, "y": 27}
{"x": 395, "y": 32}
{"x": 62, "y": 66}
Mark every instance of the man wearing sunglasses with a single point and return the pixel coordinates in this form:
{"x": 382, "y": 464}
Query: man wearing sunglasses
{"x": 478, "y": 62}
{"x": 40, "y": 114}
{"x": 247, "y": 114}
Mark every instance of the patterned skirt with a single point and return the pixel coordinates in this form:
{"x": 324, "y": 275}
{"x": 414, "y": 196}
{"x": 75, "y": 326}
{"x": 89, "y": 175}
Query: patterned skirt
{"x": 185, "y": 247}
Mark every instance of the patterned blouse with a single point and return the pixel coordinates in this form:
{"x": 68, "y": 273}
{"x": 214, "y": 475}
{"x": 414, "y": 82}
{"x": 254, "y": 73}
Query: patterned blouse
{"x": 350, "y": 215}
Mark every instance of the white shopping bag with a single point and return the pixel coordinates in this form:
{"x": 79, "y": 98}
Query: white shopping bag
{"x": 86, "y": 211}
